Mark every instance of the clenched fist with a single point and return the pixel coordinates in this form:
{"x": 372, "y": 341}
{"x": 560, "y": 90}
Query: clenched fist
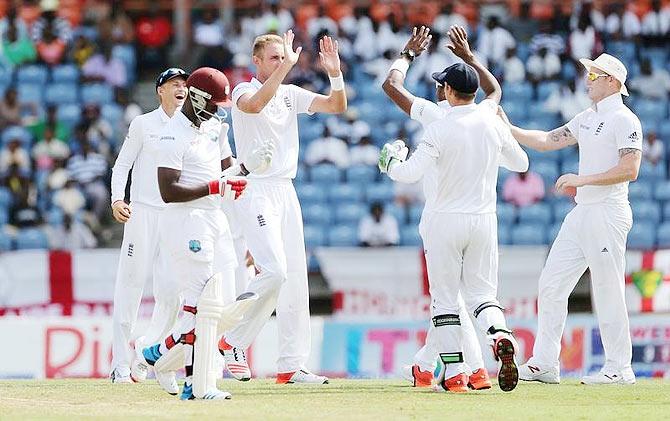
{"x": 121, "y": 211}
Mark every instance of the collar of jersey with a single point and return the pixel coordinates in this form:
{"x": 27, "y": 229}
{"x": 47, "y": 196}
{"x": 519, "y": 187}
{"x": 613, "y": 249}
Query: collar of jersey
{"x": 462, "y": 108}
{"x": 182, "y": 119}
{"x": 608, "y": 104}
{"x": 164, "y": 117}
{"x": 255, "y": 82}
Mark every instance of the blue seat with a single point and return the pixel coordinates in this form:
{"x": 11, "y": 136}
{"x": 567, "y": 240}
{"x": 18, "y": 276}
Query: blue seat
{"x": 380, "y": 192}
{"x": 35, "y": 74}
{"x": 545, "y": 89}
{"x": 311, "y": 193}
{"x": 97, "y": 93}
{"x": 113, "y": 113}
{"x": 398, "y": 212}
{"x": 309, "y": 131}
{"x": 664, "y": 132}
{"x": 648, "y": 109}
{"x": 504, "y": 234}
{"x": 506, "y": 213}
{"x": 343, "y": 236}
{"x": 657, "y": 56}
{"x": 327, "y": 173}
{"x": 6, "y": 198}
{"x": 642, "y": 236}
{"x": 317, "y": 213}
{"x": 552, "y": 233}
{"x": 126, "y": 53}
{"x": 561, "y": 210}
{"x": 640, "y": 190}
{"x": 314, "y": 236}
{"x": 30, "y": 93}
{"x": 350, "y": 213}
{"x": 515, "y": 109}
{"x": 345, "y": 193}
{"x": 54, "y": 216}
{"x": 539, "y": 213}
{"x": 5, "y": 76}
{"x": 518, "y": 91}
{"x": 661, "y": 191}
{"x": 663, "y": 235}
{"x": 651, "y": 172}
{"x": 61, "y": 93}
{"x": 646, "y": 211}
{"x": 31, "y": 238}
{"x": 301, "y": 175}
{"x": 548, "y": 170}
{"x": 65, "y": 73}
{"x": 415, "y": 212}
{"x": 69, "y": 114}
{"x": 409, "y": 236}
{"x": 529, "y": 234}
{"x": 362, "y": 174}
{"x": 570, "y": 166}
{"x": 5, "y": 241}
{"x": 4, "y": 216}
{"x": 543, "y": 122}
{"x": 16, "y": 132}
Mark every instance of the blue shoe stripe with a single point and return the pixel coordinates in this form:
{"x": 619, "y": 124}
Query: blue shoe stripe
{"x": 151, "y": 354}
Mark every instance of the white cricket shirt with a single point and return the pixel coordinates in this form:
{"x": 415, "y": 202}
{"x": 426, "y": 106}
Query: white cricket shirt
{"x": 196, "y": 152}
{"x": 600, "y": 132}
{"x": 139, "y": 152}
{"x": 277, "y": 122}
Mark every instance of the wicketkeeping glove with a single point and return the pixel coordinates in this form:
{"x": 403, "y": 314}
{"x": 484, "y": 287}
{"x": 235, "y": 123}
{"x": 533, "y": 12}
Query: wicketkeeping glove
{"x": 391, "y": 154}
{"x": 228, "y": 187}
{"x": 260, "y": 158}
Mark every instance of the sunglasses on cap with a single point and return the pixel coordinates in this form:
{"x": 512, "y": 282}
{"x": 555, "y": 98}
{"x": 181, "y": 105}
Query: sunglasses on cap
{"x": 592, "y": 76}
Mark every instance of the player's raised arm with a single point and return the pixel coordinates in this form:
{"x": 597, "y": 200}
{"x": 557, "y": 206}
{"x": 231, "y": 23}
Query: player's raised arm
{"x": 270, "y": 54}
{"x": 394, "y": 85}
{"x": 461, "y": 48}
{"x": 336, "y": 102}
{"x": 540, "y": 140}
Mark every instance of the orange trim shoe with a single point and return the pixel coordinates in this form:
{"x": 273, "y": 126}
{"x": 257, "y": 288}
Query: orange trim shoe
{"x": 457, "y": 384}
{"x": 300, "y": 376}
{"x": 421, "y": 378}
{"x": 479, "y": 380}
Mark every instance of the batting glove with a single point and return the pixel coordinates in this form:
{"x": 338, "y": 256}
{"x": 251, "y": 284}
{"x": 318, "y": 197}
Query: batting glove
{"x": 391, "y": 154}
{"x": 261, "y": 158}
{"x": 228, "y": 187}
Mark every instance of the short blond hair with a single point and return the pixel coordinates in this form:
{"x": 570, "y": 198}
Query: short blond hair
{"x": 262, "y": 40}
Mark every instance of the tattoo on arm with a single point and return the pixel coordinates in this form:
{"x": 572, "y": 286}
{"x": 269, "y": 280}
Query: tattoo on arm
{"x": 627, "y": 151}
{"x": 562, "y": 134}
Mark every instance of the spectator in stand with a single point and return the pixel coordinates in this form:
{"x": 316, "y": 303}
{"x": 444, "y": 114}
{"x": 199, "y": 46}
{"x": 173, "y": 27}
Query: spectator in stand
{"x": 304, "y": 75}
{"x": 322, "y": 22}
{"x": 651, "y": 83}
{"x": 11, "y": 19}
{"x": 61, "y": 130}
{"x": 493, "y": 42}
{"x": 10, "y": 109}
{"x": 49, "y": 149}
{"x": 523, "y": 189}
{"x": 524, "y": 27}
{"x": 448, "y": 18}
{"x": 20, "y": 187}
{"x": 365, "y": 45}
{"x": 103, "y": 67}
{"x": 130, "y": 108}
{"x": 437, "y": 57}
{"x": 364, "y": 153}
{"x": 582, "y": 40}
{"x": 653, "y": 150}
{"x": 276, "y": 19}
{"x": 49, "y": 19}
{"x": 621, "y": 22}
{"x": 210, "y": 48}
{"x": 543, "y": 66}
{"x": 70, "y": 235}
{"x": 17, "y": 49}
{"x": 90, "y": 169}
{"x": 154, "y": 32}
{"x": 117, "y": 28}
{"x": 548, "y": 38}
{"x": 14, "y": 155}
{"x": 513, "y": 68}
{"x": 82, "y": 50}
{"x": 568, "y": 101}
{"x": 50, "y": 48}
{"x": 656, "y": 25}
{"x": 585, "y": 9}
{"x": 378, "y": 229}
{"x": 69, "y": 198}
{"x": 98, "y": 130}
{"x": 348, "y": 126}
{"x": 240, "y": 71}
{"x": 327, "y": 149}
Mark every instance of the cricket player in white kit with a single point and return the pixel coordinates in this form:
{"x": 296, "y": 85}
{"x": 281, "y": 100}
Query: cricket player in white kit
{"x": 459, "y": 155}
{"x": 269, "y": 212}
{"x": 426, "y": 112}
{"x": 194, "y": 230}
{"x": 594, "y": 233}
{"x": 140, "y": 258}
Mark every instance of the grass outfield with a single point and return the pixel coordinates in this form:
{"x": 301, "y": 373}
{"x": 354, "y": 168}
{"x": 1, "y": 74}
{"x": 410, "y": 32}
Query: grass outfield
{"x": 374, "y": 400}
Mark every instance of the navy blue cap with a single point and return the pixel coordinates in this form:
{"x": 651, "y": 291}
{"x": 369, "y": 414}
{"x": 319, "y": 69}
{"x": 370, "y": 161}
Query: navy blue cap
{"x": 170, "y": 73}
{"x": 460, "y": 76}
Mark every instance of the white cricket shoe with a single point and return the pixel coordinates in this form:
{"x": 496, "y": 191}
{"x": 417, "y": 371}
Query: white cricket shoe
{"x": 214, "y": 394}
{"x": 139, "y": 367}
{"x": 300, "y": 376}
{"x": 533, "y": 373}
{"x": 610, "y": 377}
{"x": 119, "y": 376}
{"x": 168, "y": 381}
{"x": 236, "y": 361}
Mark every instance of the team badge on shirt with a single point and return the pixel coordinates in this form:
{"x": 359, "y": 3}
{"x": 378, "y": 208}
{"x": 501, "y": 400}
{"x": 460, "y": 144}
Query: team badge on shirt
{"x": 194, "y": 246}
{"x": 633, "y": 137}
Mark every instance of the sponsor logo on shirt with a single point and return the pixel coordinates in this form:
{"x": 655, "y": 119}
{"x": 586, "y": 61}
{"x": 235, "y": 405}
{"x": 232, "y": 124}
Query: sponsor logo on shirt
{"x": 287, "y": 102}
{"x": 600, "y": 128}
{"x": 633, "y": 137}
{"x": 261, "y": 220}
{"x": 130, "y": 249}
{"x": 194, "y": 246}
{"x": 584, "y": 126}
{"x": 167, "y": 138}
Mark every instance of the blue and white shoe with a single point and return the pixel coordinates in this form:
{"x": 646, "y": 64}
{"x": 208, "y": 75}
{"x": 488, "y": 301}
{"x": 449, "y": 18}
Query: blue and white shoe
{"x": 187, "y": 392}
{"x": 214, "y": 394}
{"x": 152, "y": 354}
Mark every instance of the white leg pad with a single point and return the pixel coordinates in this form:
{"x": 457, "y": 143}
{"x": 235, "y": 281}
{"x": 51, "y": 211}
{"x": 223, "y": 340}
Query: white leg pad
{"x": 235, "y": 311}
{"x": 172, "y": 360}
{"x": 210, "y": 309}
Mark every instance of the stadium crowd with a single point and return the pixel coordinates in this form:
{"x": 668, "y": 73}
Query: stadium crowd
{"x": 68, "y": 75}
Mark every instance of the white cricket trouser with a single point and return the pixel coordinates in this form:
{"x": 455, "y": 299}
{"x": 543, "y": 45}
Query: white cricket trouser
{"x": 461, "y": 255}
{"x": 270, "y": 216}
{"x": 242, "y": 275}
{"x": 199, "y": 243}
{"x": 140, "y": 260}
{"x": 592, "y": 236}
{"x": 426, "y": 357}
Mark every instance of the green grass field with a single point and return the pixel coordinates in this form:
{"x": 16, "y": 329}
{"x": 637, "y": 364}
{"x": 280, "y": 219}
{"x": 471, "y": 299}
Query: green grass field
{"x": 342, "y": 399}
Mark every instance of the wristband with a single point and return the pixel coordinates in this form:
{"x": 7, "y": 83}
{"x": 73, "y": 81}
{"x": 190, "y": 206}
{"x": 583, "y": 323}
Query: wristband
{"x": 401, "y": 65}
{"x": 336, "y": 83}
{"x": 214, "y": 187}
